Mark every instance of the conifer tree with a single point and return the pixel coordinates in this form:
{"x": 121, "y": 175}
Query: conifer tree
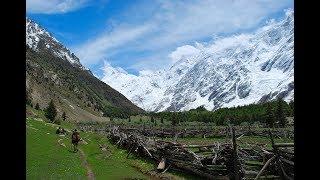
{"x": 280, "y": 116}
{"x": 291, "y": 104}
{"x": 51, "y": 111}
{"x": 28, "y": 100}
{"x": 173, "y": 118}
{"x": 269, "y": 116}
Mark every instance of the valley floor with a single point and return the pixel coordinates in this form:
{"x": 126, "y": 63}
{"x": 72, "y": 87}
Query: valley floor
{"x": 50, "y": 156}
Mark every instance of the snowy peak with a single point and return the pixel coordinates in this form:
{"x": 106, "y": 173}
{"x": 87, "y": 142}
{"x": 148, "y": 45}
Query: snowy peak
{"x": 38, "y": 39}
{"x": 231, "y": 71}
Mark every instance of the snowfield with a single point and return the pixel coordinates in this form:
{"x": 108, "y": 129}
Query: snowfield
{"x": 37, "y": 38}
{"x": 231, "y": 71}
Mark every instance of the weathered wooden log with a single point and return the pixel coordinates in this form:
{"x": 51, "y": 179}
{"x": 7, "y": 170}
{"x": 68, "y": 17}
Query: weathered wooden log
{"x": 251, "y": 173}
{"x": 161, "y": 164}
{"x": 284, "y": 144}
{"x": 182, "y": 158}
{"x": 166, "y": 168}
{"x": 284, "y": 173}
{"x": 287, "y": 161}
{"x": 264, "y": 167}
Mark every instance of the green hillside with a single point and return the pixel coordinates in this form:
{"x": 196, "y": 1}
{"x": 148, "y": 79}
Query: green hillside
{"x": 75, "y": 91}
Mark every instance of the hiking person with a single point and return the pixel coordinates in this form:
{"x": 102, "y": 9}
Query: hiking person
{"x": 75, "y": 138}
{"x": 59, "y": 130}
{"x": 64, "y": 131}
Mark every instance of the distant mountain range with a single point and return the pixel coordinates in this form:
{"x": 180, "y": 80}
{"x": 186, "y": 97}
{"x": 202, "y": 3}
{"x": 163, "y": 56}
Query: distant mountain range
{"x": 230, "y": 71}
{"x": 54, "y": 72}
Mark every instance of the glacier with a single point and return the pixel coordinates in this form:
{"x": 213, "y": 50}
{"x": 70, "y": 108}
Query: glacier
{"x": 230, "y": 71}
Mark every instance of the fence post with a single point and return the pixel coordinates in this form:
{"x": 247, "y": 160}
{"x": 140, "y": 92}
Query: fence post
{"x": 237, "y": 173}
{"x": 276, "y": 153}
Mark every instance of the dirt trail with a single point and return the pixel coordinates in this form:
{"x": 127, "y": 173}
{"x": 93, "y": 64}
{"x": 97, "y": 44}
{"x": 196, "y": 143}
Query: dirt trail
{"x": 32, "y": 128}
{"x": 85, "y": 163}
{"x": 61, "y": 144}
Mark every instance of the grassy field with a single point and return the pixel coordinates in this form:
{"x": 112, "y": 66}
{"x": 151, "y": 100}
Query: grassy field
{"x": 50, "y": 156}
{"x": 242, "y": 142}
{"x": 48, "y": 159}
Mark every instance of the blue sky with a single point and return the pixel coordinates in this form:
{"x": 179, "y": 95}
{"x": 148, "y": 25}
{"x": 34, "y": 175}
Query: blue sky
{"x": 140, "y": 34}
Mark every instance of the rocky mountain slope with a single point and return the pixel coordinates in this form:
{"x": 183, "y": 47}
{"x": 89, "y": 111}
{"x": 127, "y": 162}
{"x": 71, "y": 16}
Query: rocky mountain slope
{"x": 53, "y": 72}
{"x": 230, "y": 71}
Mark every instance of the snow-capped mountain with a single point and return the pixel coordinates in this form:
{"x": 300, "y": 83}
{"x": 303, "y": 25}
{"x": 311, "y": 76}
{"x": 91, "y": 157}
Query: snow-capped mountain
{"x": 54, "y": 73}
{"x": 236, "y": 70}
{"x": 37, "y": 38}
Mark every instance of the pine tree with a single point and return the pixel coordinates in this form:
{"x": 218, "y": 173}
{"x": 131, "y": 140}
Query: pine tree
{"x": 152, "y": 119}
{"x": 64, "y": 116}
{"x": 232, "y": 120}
{"x": 129, "y": 119}
{"x": 173, "y": 118}
{"x": 291, "y": 104}
{"x": 269, "y": 116}
{"x": 37, "y": 106}
{"x": 161, "y": 120}
{"x": 28, "y": 100}
{"x": 280, "y": 114}
{"x": 51, "y": 111}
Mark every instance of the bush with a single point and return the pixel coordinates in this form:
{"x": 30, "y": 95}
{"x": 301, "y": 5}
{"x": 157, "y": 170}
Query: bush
{"x": 58, "y": 121}
{"x": 64, "y": 116}
{"x": 28, "y": 101}
{"x": 37, "y": 106}
{"x": 115, "y": 112}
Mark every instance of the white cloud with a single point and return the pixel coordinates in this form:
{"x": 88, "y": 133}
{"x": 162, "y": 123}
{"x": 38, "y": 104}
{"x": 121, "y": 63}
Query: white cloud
{"x": 54, "y": 6}
{"x": 180, "y": 22}
{"x": 183, "y": 51}
{"x": 174, "y": 24}
{"x": 96, "y": 49}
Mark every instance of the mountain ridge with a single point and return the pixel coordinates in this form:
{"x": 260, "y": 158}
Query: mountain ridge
{"x": 231, "y": 71}
{"x": 54, "y": 72}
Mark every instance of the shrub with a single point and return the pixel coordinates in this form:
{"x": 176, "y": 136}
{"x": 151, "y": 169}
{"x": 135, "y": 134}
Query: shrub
{"x": 37, "y": 106}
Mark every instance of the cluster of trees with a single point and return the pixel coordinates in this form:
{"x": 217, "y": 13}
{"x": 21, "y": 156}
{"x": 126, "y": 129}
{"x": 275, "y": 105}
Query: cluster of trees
{"x": 114, "y": 112}
{"x": 50, "y": 111}
{"x": 270, "y": 114}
